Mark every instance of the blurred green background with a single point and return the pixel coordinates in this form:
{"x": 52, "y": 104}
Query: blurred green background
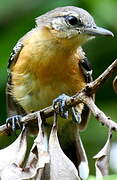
{"x": 17, "y": 18}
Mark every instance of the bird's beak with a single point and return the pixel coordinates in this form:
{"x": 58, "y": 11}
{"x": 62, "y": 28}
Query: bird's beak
{"x": 97, "y": 31}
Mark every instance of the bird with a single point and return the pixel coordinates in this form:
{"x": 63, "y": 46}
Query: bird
{"x": 48, "y": 64}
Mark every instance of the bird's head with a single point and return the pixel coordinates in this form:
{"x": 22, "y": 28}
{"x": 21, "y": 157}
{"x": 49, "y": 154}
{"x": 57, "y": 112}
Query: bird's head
{"x": 72, "y": 23}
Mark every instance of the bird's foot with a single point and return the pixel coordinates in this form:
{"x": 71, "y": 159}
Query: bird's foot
{"x": 59, "y": 104}
{"x": 14, "y": 122}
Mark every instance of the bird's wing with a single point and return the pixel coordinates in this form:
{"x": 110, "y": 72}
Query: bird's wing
{"x": 17, "y": 49}
{"x": 13, "y": 108}
{"x": 14, "y": 55}
{"x": 87, "y": 71}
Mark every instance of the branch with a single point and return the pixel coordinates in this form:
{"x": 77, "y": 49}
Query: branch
{"x": 96, "y": 84}
{"x": 99, "y": 115}
{"x": 83, "y": 96}
{"x": 115, "y": 84}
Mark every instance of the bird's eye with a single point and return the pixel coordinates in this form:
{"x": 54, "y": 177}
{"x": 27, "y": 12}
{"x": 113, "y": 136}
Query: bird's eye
{"x": 72, "y": 20}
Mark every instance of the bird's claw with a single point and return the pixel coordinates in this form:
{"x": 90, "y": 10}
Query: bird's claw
{"x": 14, "y": 122}
{"x": 59, "y": 104}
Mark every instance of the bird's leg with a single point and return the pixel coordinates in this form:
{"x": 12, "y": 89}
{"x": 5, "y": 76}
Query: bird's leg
{"x": 60, "y": 103}
{"x": 76, "y": 112}
{"x": 76, "y": 116}
{"x": 14, "y": 122}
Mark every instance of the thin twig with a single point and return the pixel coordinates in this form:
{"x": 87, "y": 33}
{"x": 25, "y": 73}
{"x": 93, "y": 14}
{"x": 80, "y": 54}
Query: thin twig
{"x": 82, "y": 96}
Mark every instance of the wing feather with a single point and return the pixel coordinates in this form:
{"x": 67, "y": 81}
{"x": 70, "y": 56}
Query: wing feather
{"x": 87, "y": 70}
{"x": 13, "y": 108}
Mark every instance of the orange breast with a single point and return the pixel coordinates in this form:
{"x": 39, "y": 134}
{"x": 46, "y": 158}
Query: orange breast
{"x": 44, "y": 70}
